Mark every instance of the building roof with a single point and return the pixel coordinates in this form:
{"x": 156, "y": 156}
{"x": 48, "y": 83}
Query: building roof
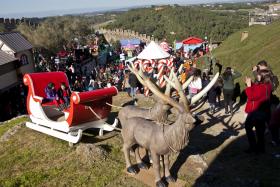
{"x": 15, "y": 41}
{"x": 6, "y": 58}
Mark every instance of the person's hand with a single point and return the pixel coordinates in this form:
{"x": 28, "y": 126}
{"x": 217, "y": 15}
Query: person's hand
{"x": 248, "y": 81}
{"x": 255, "y": 68}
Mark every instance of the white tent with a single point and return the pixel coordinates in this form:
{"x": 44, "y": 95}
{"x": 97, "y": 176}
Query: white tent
{"x": 153, "y": 51}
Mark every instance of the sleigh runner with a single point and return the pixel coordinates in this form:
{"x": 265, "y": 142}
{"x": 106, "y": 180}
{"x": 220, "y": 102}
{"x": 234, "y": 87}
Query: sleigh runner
{"x": 87, "y": 109}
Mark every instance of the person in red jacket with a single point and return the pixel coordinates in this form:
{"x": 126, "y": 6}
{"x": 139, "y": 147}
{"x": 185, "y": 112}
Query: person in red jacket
{"x": 258, "y": 110}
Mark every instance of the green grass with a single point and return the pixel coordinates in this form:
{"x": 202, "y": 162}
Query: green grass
{"x": 30, "y": 158}
{"x": 5, "y": 126}
{"x": 263, "y": 43}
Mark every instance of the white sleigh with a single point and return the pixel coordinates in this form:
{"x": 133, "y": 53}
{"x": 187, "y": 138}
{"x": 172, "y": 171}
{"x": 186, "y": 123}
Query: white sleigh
{"x": 87, "y": 109}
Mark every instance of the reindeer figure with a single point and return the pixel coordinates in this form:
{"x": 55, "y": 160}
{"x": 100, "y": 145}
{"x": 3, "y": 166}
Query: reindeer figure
{"x": 159, "y": 112}
{"x": 158, "y": 139}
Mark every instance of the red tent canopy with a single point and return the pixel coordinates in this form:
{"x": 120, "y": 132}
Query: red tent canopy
{"x": 192, "y": 41}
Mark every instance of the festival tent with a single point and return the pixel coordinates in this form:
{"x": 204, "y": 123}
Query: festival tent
{"x": 153, "y": 51}
{"x": 130, "y": 43}
{"x": 192, "y": 41}
{"x": 178, "y": 45}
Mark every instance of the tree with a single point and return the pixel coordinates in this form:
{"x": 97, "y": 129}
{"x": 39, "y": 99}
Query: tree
{"x": 55, "y": 32}
{"x": 184, "y": 21}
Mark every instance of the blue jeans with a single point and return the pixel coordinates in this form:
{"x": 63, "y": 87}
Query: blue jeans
{"x": 133, "y": 92}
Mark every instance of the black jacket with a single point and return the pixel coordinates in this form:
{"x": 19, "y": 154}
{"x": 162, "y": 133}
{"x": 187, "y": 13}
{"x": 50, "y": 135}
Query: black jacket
{"x": 132, "y": 80}
{"x": 60, "y": 92}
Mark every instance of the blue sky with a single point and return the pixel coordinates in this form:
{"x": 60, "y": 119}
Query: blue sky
{"x": 19, "y": 8}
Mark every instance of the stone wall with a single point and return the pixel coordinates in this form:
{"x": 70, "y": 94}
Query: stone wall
{"x": 118, "y": 34}
{"x": 11, "y": 23}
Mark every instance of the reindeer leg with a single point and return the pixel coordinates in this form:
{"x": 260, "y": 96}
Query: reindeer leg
{"x": 140, "y": 163}
{"x": 129, "y": 167}
{"x": 156, "y": 166}
{"x": 167, "y": 174}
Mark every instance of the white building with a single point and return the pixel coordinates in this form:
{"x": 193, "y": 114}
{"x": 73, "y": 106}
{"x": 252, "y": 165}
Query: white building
{"x": 274, "y": 7}
{"x": 16, "y": 59}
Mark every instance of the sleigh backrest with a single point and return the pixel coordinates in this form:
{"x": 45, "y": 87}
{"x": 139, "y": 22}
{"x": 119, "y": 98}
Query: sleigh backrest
{"x": 39, "y": 81}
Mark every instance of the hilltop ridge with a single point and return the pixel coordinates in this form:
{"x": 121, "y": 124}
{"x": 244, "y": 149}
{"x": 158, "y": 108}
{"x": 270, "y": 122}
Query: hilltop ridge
{"x": 262, "y": 43}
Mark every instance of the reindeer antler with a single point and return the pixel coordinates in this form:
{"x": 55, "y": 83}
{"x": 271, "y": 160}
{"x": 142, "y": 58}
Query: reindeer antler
{"x": 205, "y": 90}
{"x": 178, "y": 87}
{"x": 187, "y": 83}
{"x": 168, "y": 86}
{"x": 149, "y": 84}
{"x": 181, "y": 92}
{"x": 197, "y": 96}
{"x": 134, "y": 70}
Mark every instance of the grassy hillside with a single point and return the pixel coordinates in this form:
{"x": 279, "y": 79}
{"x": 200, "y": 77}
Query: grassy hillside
{"x": 263, "y": 43}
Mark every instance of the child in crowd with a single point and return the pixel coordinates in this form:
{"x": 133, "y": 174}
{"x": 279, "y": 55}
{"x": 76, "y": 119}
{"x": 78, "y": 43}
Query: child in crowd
{"x": 196, "y": 85}
{"x": 50, "y": 92}
{"x": 51, "y": 95}
{"x": 64, "y": 94}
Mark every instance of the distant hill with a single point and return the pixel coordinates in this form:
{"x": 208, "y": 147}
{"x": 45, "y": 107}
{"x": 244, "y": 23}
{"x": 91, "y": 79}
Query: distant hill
{"x": 263, "y": 43}
{"x": 179, "y": 22}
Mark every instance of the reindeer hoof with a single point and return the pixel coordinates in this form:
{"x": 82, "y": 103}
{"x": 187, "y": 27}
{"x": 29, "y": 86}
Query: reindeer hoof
{"x": 142, "y": 165}
{"x": 160, "y": 184}
{"x": 131, "y": 170}
{"x": 170, "y": 179}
